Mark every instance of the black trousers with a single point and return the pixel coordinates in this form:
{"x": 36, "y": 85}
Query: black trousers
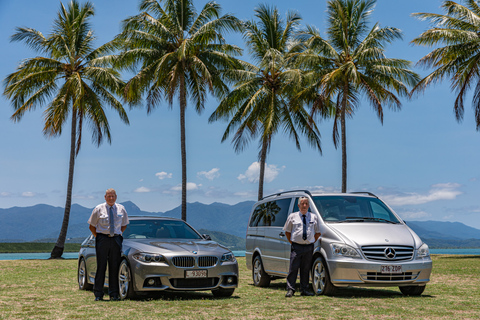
{"x": 300, "y": 258}
{"x": 108, "y": 251}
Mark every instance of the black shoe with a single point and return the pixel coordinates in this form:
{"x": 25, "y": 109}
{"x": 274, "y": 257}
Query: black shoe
{"x": 289, "y": 293}
{"x": 115, "y": 298}
{"x": 307, "y": 294}
{"x": 98, "y": 298}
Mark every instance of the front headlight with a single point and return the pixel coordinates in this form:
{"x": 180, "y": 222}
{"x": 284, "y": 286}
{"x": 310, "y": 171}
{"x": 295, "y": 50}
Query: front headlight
{"x": 343, "y": 250}
{"x": 423, "y": 252}
{"x": 149, "y": 257}
{"x": 228, "y": 257}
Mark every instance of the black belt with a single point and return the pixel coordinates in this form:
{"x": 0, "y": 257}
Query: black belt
{"x": 108, "y": 235}
{"x": 302, "y": 244}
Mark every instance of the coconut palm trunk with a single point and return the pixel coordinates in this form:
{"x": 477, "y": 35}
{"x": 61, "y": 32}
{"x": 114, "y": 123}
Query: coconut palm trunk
{"x": 263, "y": 160}
{"x": 183, "y": 106}
{"x": 60, "y": 244}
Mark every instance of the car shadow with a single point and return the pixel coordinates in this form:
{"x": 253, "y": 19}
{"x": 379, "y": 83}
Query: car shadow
{"x": 352, "y": 292}
{"x": 183, "y": 295}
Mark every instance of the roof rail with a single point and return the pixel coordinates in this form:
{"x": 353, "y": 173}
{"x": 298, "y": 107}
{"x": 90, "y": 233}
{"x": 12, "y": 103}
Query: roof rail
{"x": 283, "y": 192}
{"x": 366, "y": 192}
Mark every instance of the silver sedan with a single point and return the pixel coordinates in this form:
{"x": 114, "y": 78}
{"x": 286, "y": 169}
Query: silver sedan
{"x": 164, "y": 254}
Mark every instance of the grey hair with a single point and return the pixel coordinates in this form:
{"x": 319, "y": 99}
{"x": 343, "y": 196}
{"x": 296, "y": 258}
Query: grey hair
{"x": 301, "y": 199}
{"x": 110, "y": 190}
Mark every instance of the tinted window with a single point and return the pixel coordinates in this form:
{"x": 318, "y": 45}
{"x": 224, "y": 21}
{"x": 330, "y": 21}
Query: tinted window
{"x": 352, "y": 208}
{"x": 159, "y": 229}
{"x": 270, "y": 214}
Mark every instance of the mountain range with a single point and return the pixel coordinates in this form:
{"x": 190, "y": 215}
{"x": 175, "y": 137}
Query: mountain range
{"x": 42, "y": 223}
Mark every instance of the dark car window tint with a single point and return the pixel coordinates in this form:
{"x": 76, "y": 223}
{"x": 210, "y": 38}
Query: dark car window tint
{"x": 344, "y": 208}
{"x": 270, "y": 214}
{"x": 159, "y": 229}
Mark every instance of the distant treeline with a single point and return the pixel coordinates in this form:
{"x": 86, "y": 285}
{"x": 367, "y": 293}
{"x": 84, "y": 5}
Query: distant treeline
{"x": 452, "y": 244}
{"x": 27, "y": 247}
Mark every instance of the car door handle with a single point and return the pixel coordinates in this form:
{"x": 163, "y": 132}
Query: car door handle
{"x": 281, "y": 234}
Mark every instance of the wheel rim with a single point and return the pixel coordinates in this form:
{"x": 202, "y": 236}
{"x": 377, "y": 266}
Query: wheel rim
{"x": 257, "y": 271}
{"x": 82, "y": 274}
{"x": 123, "y": 279}
{"x": 319, "y": 275}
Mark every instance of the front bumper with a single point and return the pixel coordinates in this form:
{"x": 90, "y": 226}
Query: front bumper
{"x": 359, "y": 272}
{"x": 159, "y": 276}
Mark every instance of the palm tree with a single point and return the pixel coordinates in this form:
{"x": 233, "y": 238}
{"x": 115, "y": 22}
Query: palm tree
{"x": 260, "y": 104}
{"x": 458, "y": 57}
{"x": 72, "y": 78}
{"x": 350, "y": 63}
{"x": 181, "y": 54}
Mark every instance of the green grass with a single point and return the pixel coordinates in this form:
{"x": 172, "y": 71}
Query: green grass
{"x": 47, "y": 289}
{"x": 24, "y": 247}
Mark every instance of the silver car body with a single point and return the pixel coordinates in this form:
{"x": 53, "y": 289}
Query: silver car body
{"x": 356, "y": 252}
{"x": 173, "y": 263}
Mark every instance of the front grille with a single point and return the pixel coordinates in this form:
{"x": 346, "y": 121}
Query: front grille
{"x": 183, "y": 262}
{"x": 377, "y": 276}
{"x": 208, "y": 261}
{"x": 180, "y": 283}
{"x": 388, "y": 253}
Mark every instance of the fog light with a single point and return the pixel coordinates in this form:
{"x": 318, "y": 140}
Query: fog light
{"x": 230, "y": 280}
{"x": 151, "y": 282}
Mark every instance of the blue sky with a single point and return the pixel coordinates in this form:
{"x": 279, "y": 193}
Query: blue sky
{"x": 421, "y": 161}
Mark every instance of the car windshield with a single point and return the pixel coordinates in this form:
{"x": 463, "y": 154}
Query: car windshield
{"x": 344, "y": 209}
{"x": 159, "y": 229}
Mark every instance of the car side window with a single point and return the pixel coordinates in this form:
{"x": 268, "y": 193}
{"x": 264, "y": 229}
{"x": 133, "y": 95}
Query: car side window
{"x": 270, "y": 214}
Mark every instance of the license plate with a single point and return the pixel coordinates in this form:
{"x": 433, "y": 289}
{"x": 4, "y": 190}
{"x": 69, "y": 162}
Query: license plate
{"x": 196, "y": 274}
{"x": 391, "y": 269}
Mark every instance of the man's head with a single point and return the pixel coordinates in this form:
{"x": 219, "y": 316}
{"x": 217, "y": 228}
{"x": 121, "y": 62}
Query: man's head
{"x": 303, "y": 205}
{"x": 110, "y": 197}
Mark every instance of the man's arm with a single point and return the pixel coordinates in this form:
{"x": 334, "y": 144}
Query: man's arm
{"x": 288, "y": 234}
{"x": 93, "y": 229}
{"x": 123, "y": 228}
{"x": 317, "y": 235}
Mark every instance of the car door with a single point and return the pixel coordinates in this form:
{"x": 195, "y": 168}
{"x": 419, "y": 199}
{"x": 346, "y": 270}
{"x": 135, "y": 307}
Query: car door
{"x": 276, "y": 248}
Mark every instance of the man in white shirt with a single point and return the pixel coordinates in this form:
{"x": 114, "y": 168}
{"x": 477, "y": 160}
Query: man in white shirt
{"x": 107, "y": 223}
{"x": 302, "y": 230}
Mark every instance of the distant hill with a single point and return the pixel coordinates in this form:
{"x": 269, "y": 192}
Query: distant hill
{"x": 225, "y": 223}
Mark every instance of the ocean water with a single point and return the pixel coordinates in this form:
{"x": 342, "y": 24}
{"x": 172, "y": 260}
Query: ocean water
{"x": 74, "y": 255}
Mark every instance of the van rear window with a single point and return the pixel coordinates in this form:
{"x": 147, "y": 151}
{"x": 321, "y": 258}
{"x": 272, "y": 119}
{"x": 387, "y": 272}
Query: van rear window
{"x": 270, "y": 214}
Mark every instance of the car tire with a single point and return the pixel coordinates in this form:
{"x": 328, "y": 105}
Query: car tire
{"x": 412, "y": 290}
{"x": 222, "y": 293}
{"x": 260, "y": 277}
{"x": 321, "y": 278}
{"x": 83, "y": 276}
{"x": 125, "y": 282}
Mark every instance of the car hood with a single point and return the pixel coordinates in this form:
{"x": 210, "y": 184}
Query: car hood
{"x": 176, "y": 246}
{"x": 368, "y": 234}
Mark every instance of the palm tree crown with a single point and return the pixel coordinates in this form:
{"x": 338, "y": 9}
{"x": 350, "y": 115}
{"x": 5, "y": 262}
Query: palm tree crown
{"x": 351, "y": 63}
{"x": 458, "y": 57}
{"x": 180, "y": 54}
{"x": 260, "y": 103}
{"x": 72, "y": 78}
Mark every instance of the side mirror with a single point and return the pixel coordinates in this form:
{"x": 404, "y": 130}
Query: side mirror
{"x": 206, "y": 237}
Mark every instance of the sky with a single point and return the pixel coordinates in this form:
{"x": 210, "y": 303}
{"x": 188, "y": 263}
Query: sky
{"x": 421, "y": 161}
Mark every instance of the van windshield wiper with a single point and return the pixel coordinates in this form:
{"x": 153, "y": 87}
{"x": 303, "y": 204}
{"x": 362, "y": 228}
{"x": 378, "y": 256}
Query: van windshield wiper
{"x": 358, "y": 219}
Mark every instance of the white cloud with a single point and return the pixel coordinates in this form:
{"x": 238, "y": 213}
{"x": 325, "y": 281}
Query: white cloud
{"x": 5, "y": 194}
{"x": 163, "y": 175}
{"x": 210, "y": 175}
{"x": 253, "y": 172}
{"x": 190, "y": 186}
{"x": 414, "y": 215}
{"x": 28, "y": 194}
{"x": 441, "y": 191}
{"x": 142, "y": 190}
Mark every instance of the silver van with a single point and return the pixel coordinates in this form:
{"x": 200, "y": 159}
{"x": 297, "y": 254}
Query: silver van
{"x": 364, "y": 243}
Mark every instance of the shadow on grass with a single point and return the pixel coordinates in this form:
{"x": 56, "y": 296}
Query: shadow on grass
{"x": 352, "y": 292}
{"x": 182, "y": 295}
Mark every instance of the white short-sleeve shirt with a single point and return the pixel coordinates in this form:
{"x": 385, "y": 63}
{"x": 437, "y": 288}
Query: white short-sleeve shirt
{"x": 101, "y": 221}
{"x": 294, "y": 225}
